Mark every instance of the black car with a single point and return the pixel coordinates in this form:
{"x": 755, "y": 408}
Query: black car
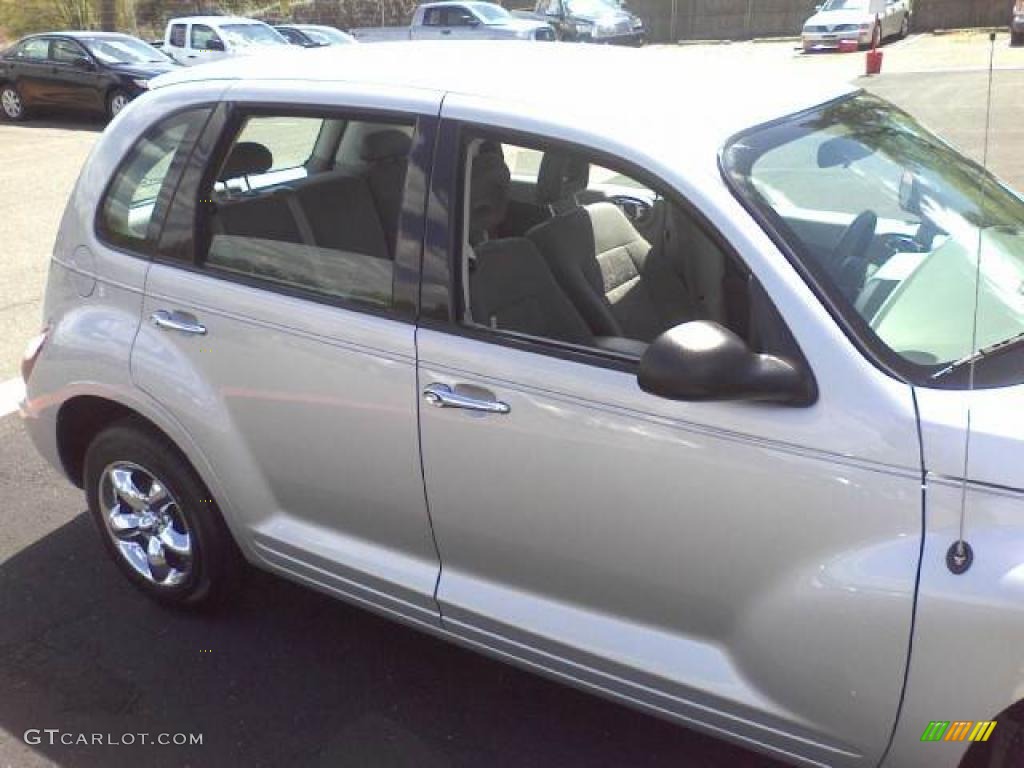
{"x": 96, "y": 71}
{"x": 590, "y": 21}
{"x": 314, "y": 35}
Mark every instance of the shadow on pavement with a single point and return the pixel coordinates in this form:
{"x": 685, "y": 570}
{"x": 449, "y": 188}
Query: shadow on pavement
{"x": 291, "y": 676}
{"x": 65, "y": 121}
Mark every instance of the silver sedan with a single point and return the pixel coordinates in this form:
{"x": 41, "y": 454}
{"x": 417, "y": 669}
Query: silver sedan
{"x": 857, "y": 21}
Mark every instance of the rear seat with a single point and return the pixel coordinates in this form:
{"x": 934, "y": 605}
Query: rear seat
{"x": 334, "y": 211}
{"x": 343, "y": 215}
{"x": 387, "y": 153}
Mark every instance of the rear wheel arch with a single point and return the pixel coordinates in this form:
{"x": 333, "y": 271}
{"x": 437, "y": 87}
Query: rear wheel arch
{"x": 1005, "y": 747}
{"x": 83, "y": 417}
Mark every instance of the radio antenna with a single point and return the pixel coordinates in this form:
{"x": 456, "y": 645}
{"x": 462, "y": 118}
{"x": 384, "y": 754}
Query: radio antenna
{"x": 960, "y": 554}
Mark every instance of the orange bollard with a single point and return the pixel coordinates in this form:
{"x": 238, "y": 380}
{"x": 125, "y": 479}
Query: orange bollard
{"x": 874, "y": 66}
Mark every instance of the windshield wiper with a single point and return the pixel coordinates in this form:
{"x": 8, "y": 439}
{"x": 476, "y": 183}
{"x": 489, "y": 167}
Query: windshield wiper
{"x": 991, "y": 349}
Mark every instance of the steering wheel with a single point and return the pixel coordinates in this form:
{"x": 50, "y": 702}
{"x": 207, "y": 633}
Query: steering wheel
{"x": 849, "y": 263}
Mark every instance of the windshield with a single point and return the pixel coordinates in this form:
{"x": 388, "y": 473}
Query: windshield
{"x": 327, "y": 36}
{"x": 123, "y": 50}
{"x": 891, "y": 220}
{"x": 252, "y": 34}
{"x": 491, "y": 12}
{"x": 845, "y": 5}
{"x": 591, "y": 7}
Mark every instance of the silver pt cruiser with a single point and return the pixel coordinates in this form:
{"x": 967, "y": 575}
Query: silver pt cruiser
{"x": 712, "y": 406}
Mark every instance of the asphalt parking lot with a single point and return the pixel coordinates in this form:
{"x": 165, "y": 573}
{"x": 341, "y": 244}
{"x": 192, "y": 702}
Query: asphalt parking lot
{"x": 287, "y": 675}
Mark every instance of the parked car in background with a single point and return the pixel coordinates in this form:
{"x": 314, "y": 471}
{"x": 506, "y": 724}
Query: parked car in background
{"x": 94, "y": 71}
{"x": 1017, "y": 23}
{"x": 461, "y": 21}
{"x": 197, "y": 39}
{"x": 589, "y": 21}
{"x": 314, "y": 35}
{"x": 839, "y": 20}
{"x": 674, "y": 409}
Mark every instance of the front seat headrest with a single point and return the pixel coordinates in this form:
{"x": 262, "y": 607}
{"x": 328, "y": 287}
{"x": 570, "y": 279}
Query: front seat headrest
{"x": 562, "y": 176}
{"x": 386, "y": 144}
{"x": 489, "y": 184}
{"x": 247, "y": 158}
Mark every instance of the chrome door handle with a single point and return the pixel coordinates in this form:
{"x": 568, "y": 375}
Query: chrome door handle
{"x": 443, "y": 396}
{"x": 177, "y": 321}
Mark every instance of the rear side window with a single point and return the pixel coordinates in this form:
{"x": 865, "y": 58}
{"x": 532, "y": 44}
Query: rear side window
{"x": 178, "y": 36}
{"x": 142, "y": 186}
{"x": 283, "y": 220}
{"x": 432, "y": 17}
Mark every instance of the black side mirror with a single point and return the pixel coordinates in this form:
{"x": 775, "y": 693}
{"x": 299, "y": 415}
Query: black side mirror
{"x": 702, "y": 360}
{"x": 83, "y": 63}
{"x": 215, "y": 45}
{"x": 473, "y": 22}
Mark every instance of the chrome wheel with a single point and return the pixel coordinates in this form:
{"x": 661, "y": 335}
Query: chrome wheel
{"x": 146, "y": 524}
{"x": 117, "y": 102}
{"x": 11, "y": 102}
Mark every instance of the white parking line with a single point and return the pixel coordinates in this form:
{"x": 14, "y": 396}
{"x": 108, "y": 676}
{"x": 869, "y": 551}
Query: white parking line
{"x": 11, "y": 392}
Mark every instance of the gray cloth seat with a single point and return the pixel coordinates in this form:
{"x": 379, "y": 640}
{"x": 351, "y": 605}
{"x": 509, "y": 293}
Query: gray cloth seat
{"x": 620, "y": 285}
{"x": 512, "y": 289}
{"x": 342, "y": 214}
{"x": 387, "y": 154}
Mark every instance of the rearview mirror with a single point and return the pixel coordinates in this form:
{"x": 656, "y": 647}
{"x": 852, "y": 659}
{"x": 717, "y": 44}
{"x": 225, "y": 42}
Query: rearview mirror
{"x": 841, "y": 151}
{"x": 910, "y": 193}
{"x": 702, "y": 360}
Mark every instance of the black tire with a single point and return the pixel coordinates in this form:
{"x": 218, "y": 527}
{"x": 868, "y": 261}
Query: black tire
{"x": 12, "y": 106}
{"x": 214, "y": 566}
{"x": 1007, "y": 745}
{"x": 905, "y": 27}
{"x": 1016, "y": 39}
{"x": 116, "y": 101}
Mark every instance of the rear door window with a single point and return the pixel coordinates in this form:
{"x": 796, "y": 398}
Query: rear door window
{"x": 277, "y": 219}
{"x": 36, "y": 49}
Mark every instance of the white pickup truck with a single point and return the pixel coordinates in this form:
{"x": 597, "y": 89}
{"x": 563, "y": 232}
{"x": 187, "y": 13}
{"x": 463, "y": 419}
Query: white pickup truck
{"x": 469, "y": 20}
{"x": 197, "y": 39}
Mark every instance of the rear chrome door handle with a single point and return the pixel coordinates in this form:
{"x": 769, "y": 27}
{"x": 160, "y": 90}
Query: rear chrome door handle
{"x": 177, "y": 321}
{"x": 442, "y": 396}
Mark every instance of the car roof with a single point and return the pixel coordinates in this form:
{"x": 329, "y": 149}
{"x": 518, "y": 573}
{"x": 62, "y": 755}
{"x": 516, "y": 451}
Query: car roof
{"x": 461, "y": 3}
{"x": 214, "y": 20}
{"x": 79, "y": 33}
{"x": 622, "y": 96}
